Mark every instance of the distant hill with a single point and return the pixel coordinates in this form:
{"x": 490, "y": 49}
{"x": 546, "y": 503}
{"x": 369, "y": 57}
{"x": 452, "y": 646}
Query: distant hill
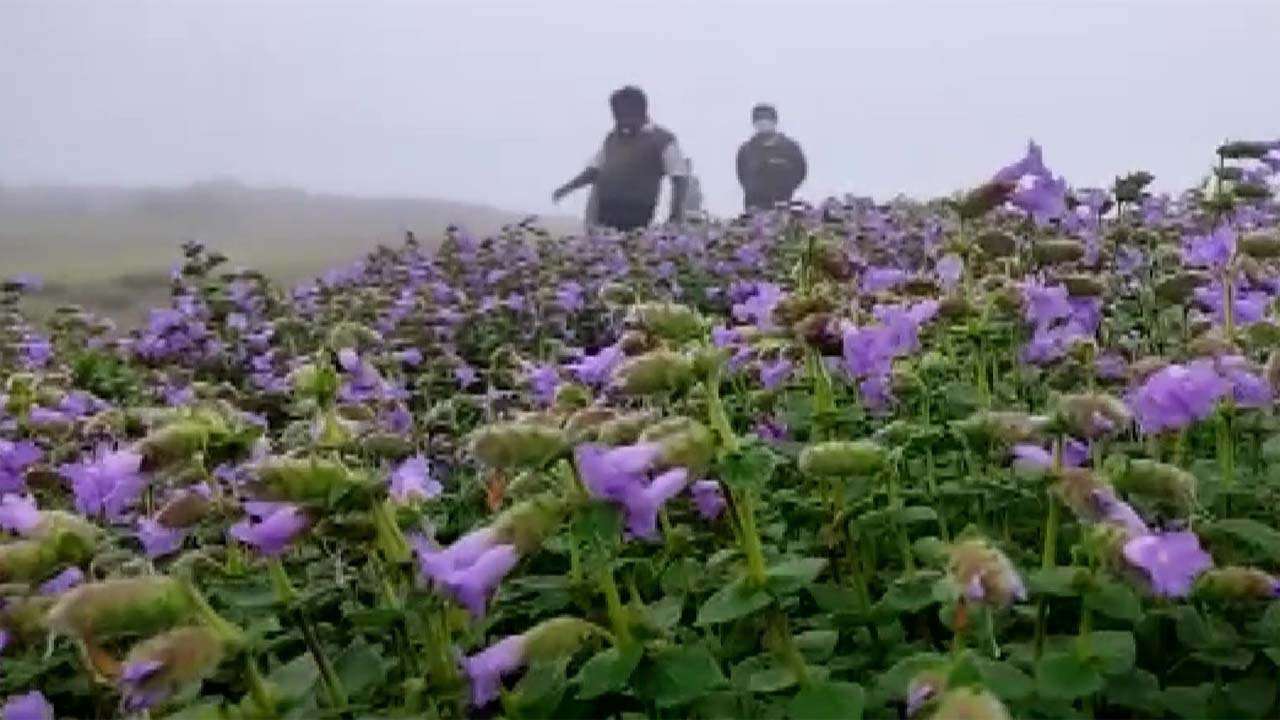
{"x": 111, "y": 248}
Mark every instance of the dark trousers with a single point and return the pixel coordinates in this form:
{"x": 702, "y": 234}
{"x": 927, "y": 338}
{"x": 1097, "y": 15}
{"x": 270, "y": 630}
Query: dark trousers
{"x": 624, "y": 216}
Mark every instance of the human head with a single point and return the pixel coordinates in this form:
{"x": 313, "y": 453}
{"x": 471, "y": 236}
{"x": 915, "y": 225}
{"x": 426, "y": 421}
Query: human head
{"x": 764, "y": 118}
{"x": 630, "y": 109}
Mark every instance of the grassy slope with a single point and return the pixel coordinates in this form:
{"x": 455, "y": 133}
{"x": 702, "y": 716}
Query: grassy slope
{"x": 111, "y": 249}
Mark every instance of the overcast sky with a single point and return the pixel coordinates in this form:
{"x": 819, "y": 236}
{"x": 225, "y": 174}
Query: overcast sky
{"x": 499, "y": 102}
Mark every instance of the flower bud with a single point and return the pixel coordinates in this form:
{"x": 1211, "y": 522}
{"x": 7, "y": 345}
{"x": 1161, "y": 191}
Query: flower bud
{"x": 173, "y": 443}
{"x": 684, "y": 443}
{"x": 626, "y": 429}
{"x": 57, "y": 540}
{"x": 924, "y": 687}
{"x": 820, "y": 331}
{"x": 161, "y": 666}
{"x": 186, "y": 508}
{"x": 983, "y": 199}
{"x": 1093, "y": 415}
{"x": 921, "y": 286}
{"x": 635, "y": 342}
{"x": 983, "y": 574}
{"x": 1143, "y": 368}
{"x": 987, "y": 426}
{"x": 352, "y": 335}
{"x": 127, "y": 606}
{"x": 843, "y": 458}
{"x": 996, "y": 243}
{"x": 515, "y": 445}
{"x": 571, "y": 396}
{"x": 387, "y": 445}
{"x": 791, "y": 309}
{"x": 669, "y": 321}
{"x": 1244, "y": 150}
{"x": 1251, "y": 191}
{"x": 1082, "y": 285}
{"x": 528, "y": 523}
{"x": 1169, "y": 485}
{"x": 616, "y": 293}
{"x": 1178, "y": 288}
{"x": 955, "y": 307}
{"x": 1237, "y": 584}
{"x": 654, "y": 373}
{"x": 1264, "y": 246}
{"x": 969, "y": 703}
{"x": 299, "y": 480}
{"x": 1211, "y": 344}
{"x": 1049, "y": 252}
{"x": 558, "y": 637}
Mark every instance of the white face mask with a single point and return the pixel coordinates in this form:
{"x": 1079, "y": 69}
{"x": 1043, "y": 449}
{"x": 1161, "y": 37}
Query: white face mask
{"x": 765, "y": 126}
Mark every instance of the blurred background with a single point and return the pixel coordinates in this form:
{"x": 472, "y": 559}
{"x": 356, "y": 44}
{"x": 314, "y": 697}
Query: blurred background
{"x": 295, "y": 135}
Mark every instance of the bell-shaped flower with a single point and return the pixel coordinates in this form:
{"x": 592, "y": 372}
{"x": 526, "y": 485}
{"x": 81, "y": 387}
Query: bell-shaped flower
{"x": 1170, "y": 561}
{"x": 108, "y": 485}
{"x": 15, "y": 458}
{"x": 157, "y": 539}
{"x": 31, "y": 706}
{"x": 411, "y": 480}
{"x": 708, "y": 498}
{"x": 984, "y": 575}
{"x": 62, "y": 582}
{"x": 271, "y": 527}
{"x": 470, "y": 570}
{"x": 1177, "y": 396}
{"x": 19, "y": 514}
{"x": 157, "y": 668}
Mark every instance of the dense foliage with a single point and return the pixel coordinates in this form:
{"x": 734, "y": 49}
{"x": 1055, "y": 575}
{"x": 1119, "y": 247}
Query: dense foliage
{"x": 1006, "y": 455}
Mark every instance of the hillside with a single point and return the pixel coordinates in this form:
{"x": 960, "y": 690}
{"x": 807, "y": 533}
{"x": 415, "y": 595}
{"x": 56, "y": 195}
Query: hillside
{"x": 111, "y": 248}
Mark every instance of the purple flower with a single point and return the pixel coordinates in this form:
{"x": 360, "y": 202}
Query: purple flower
{"x": 776, "y": 372}
{"x": 1112, "y": 510}
{"x": 62, "y": 582}
{"x": 133, "y": 677}
{"x": 1031, "y": 164}
{"x": 1212, "y": 251}
{"x": 44, "y": 418}
{"x": 158, "y": 540}
{"x": 880, "y": 279}
{"x": 412, "y": 480}
{"x": 708, "y": 497}
{"x": 465, "y": 375}
{"x": 1111, "y": 366}
{"x": 722, "y": 336}
{"x": 26, "y": 281}
{"x": 876, "y": 393}
{"x": 758, "y": 307}
{"x": 1129, "y": 260}
{"x": 1177, "y": 396}
{"x": 108, "y": 485}
{"x": 18, "y": 513}
{"x": 595, "y": 370}
{"x": 1042, "y": 197}
{"x": 470, "y": 569}
{"x": 1248, "y": 387}
{"x": 643, "y": 502}
{"x": 486, "y": 668}
{"x": 771, "y": 429}
{"x": 569, "y": 296}
{"x": 15, "y": 458}
{"x": 1170, "y": 561}
{"x": 32, "y": 706}
{"x": 867, "y": 351}
{"x": 609, "y": 473}
{"x": 270, "y": 527}
{"x": 36, "y": 351}
{"x": 949, "y": 268}
{"x": 921, "y": 690}
{"x": 411, "y": 357}
{"x": 543, "y": 381}
{"x": 1074, "y": 454}
{"x": 397, "y": 420}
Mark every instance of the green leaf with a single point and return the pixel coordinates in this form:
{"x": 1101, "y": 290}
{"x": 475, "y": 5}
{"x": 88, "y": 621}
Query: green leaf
{"x": 1063, "y": 675}
{"x": 910, "y": 594}
{"x": 917, "y": 514}
{"x": 1261, "y": 538}
{"x": 894, "y": 681}
{"x": 1115, "y": 650}
{"x": 762, "y": 674}
{"x": 834, "y": 598}
{"x": 828, "y": 700}
{"x": 680, "y": 674}
{"x": 1137, "y": 690}
{"x": 608, "y": 671}
{"x": 295, "y": 678}
{"x": 787, "y": 577}
{"x": 1188, "y": 702}
{"x": 665, "y": 613}
{"x": 540, "y": 691}
{"x": 749, "y": 468}
{"x": 1115, "y": 600}
{"x": 735, "y": 600}
{"x": 1252, "y": 696}
{"x": 360, "y": 667}
{"x": 817, "y": 645}
{"x": 1066, "y": 581}
{"x": 1005, "y": 680}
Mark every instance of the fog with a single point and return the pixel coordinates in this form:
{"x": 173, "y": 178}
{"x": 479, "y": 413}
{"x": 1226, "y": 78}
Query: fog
{"x": 499, "y": 102}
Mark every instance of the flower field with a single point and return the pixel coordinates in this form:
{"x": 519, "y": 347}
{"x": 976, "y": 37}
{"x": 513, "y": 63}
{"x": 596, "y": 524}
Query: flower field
{"x": 1008, "y": 454}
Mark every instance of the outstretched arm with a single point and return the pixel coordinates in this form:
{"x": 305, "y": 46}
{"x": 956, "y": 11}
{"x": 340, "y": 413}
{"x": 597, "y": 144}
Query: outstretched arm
{"x": 583, "y": 179}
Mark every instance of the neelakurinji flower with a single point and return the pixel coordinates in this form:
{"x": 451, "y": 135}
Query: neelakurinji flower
{"x": 470, "y": 569}
{"x": 708, "y": 498}
{"x": 1249, "y": 387}
{"x": 596, "y": 370}
{"x": 158, "y": 540}
{"x": 949, "y": 269}
{"x": 18, "y": 513}
{"x": 271, "y": 527}
{"x": 543, "y": 381}
{"x": 1213, "y": 250}
{"x": 774, "y": 373}
{"x": 62, "y": 582}
{"x": 107, "y": 485}
{"x": 486, "y": 668}
{"x": 1178, "y": 395}
{"x": 15, "y": 458}
{"x": 1170, "y": 561}
{"x": 621, "y": 475}
{"x": 411, "y": 480}
{"x": 881, "y": 279}
{"x": 31, "y": 706}
{"x": 758, "y": 307}
{"x": 984, "y": 575}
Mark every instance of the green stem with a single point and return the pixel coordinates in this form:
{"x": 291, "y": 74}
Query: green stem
{"x": 328, "y": 676}
{"x": 613, "y": 604}
{"x": 751, "y": 545}
{"x": 258, "y": 689}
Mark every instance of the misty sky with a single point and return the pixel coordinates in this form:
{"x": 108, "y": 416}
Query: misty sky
{"x": 499, "y": 102}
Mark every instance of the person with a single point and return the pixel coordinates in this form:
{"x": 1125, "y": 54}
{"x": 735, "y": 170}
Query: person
{"x": 627, "y": 172}
{"x": 771, "y": 166}
{"x": 693, "y": 193}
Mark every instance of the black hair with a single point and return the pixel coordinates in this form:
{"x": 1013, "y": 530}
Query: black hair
{"x": 629, "y": 99}
{"x": 764, "y": 110}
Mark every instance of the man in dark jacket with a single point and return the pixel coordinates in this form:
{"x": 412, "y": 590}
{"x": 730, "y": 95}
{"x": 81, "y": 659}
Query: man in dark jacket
{"x": 627, "y": 172}
{"x": 770, "y": 165}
